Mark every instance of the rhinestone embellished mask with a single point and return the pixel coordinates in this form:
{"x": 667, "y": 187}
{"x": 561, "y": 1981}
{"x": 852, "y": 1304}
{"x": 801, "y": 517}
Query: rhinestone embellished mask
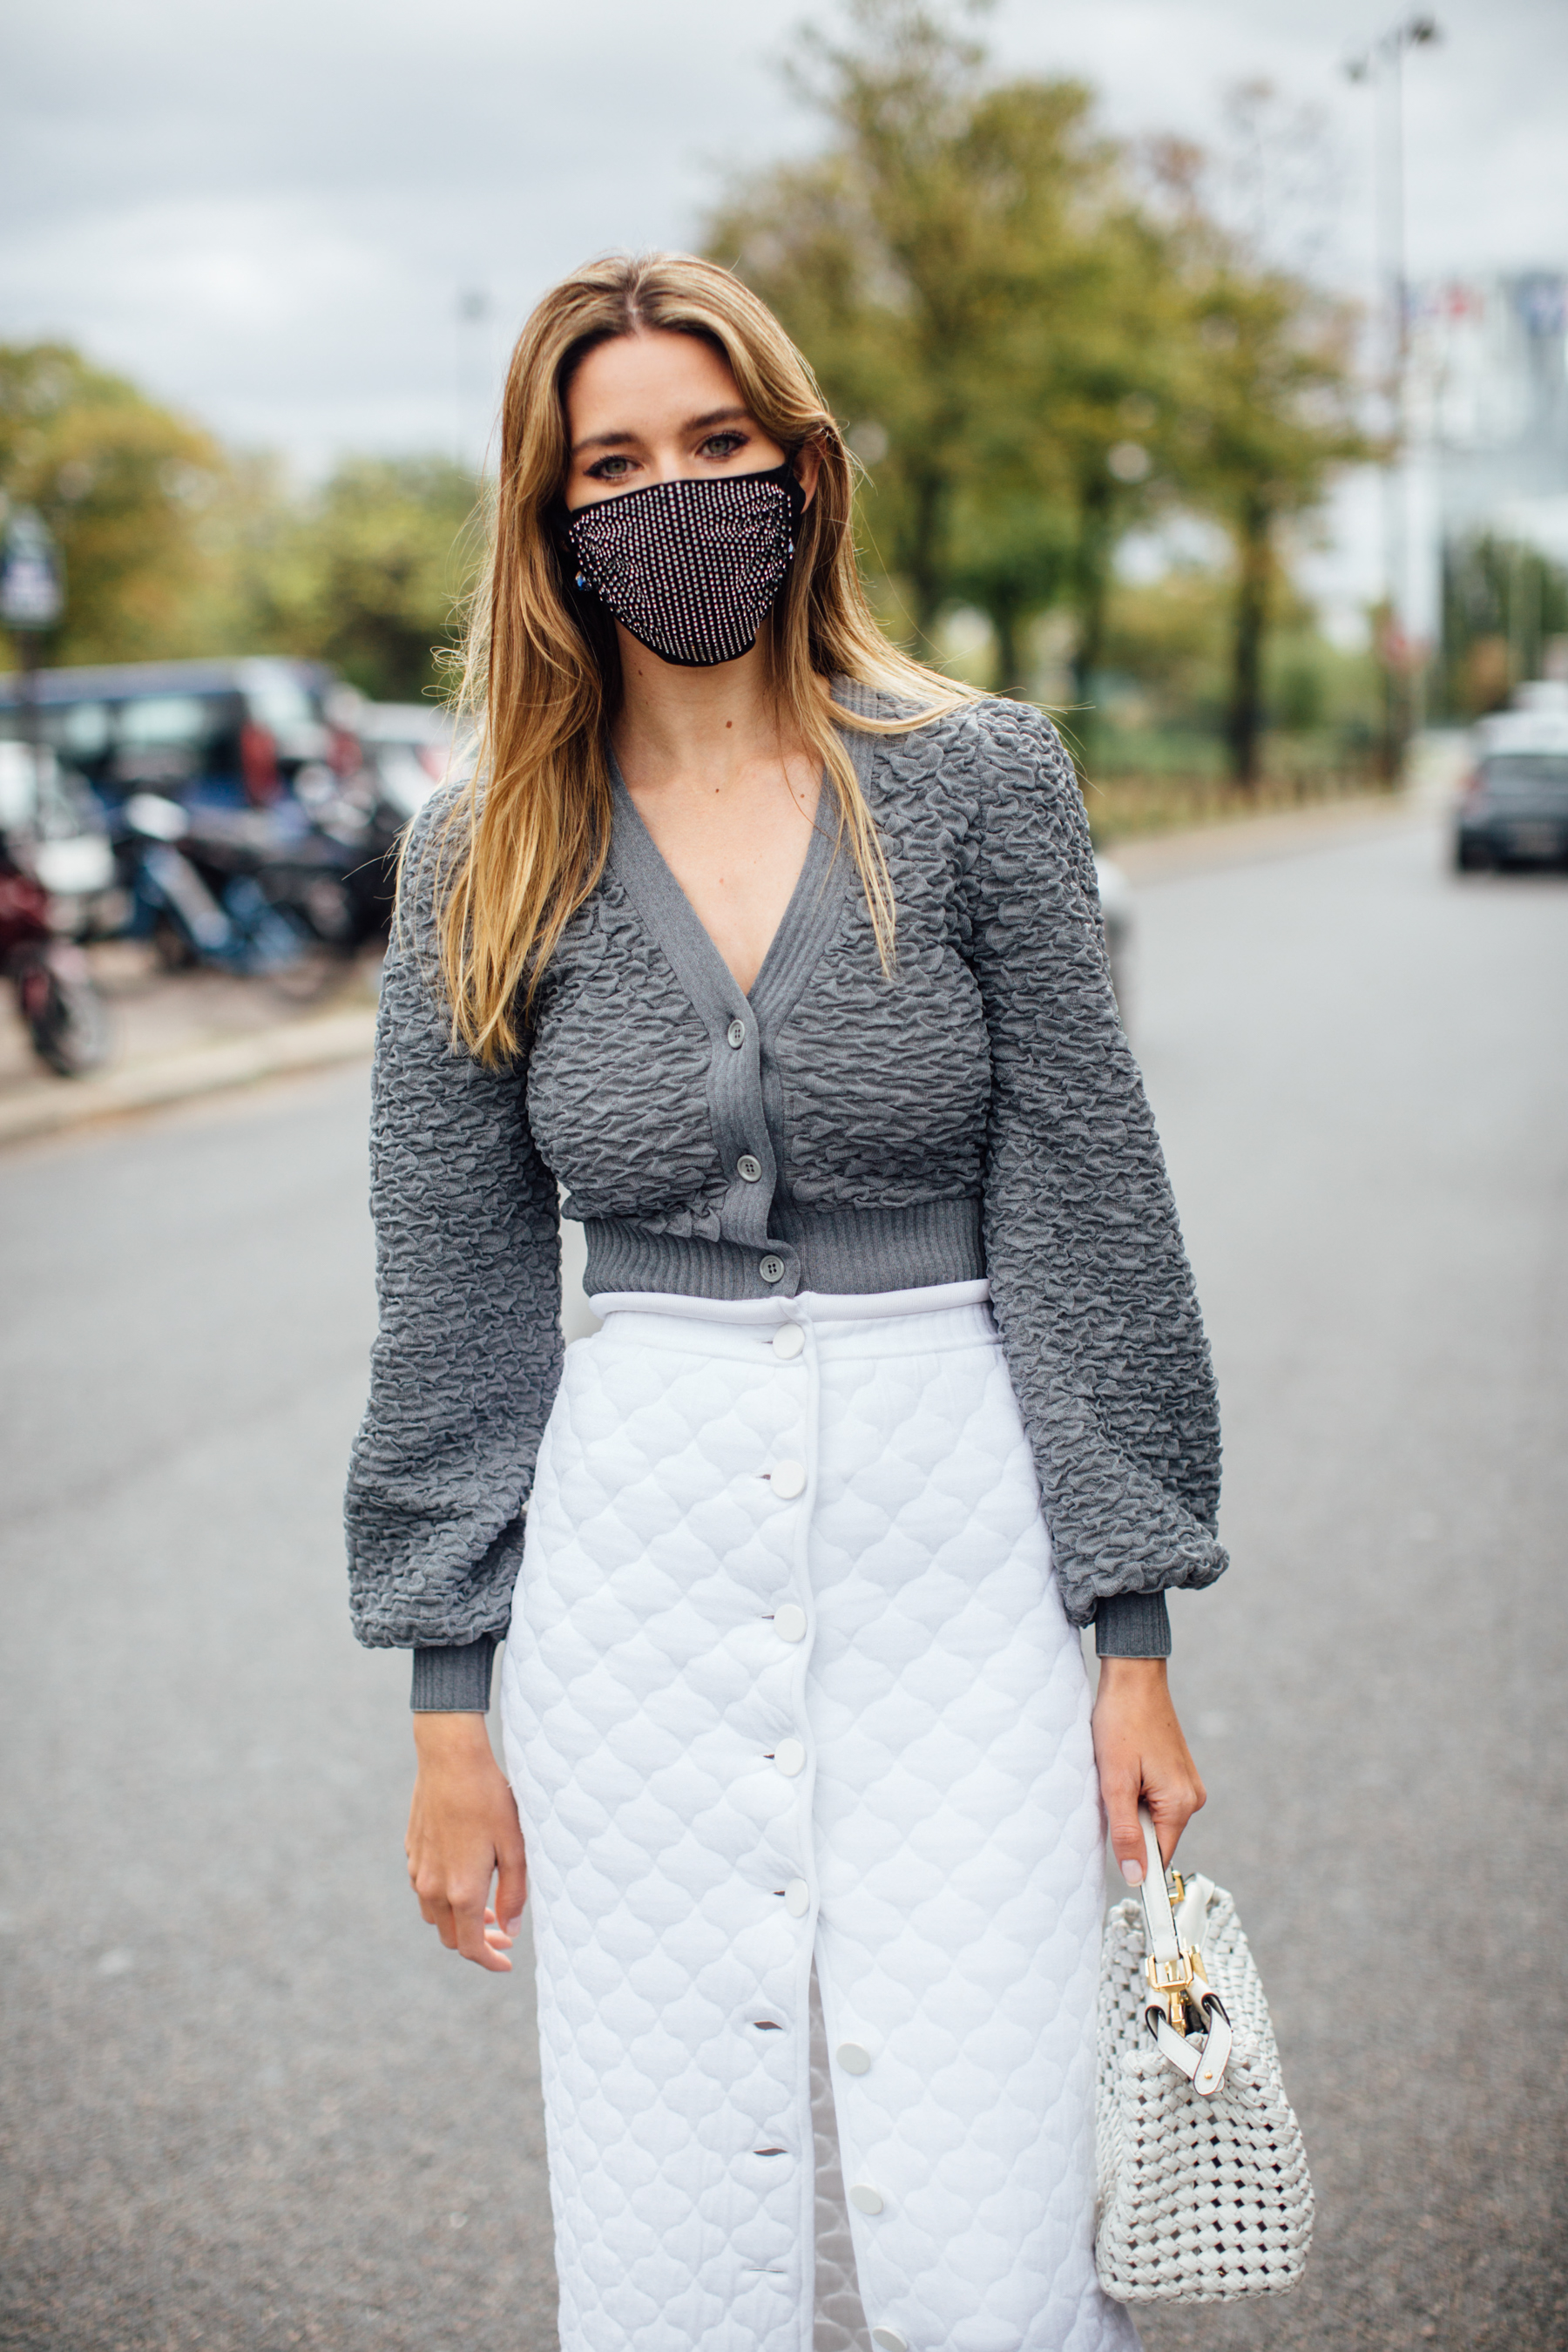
{"x": 691, "y": 569}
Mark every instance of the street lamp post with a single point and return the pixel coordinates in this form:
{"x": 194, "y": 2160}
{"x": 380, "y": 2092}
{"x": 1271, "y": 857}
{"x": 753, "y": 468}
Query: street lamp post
{"x": 1382, "y": 65}
{"x": 32, "y": 598}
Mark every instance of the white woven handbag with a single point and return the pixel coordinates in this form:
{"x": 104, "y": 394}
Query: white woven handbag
{"x": 1204, "y": 2189}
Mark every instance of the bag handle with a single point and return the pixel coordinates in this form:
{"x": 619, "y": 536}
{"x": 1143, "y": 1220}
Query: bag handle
{"x": 1174, "y": 1974}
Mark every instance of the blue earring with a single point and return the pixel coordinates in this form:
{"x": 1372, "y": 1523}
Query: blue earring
{"x": 580, "y": 582}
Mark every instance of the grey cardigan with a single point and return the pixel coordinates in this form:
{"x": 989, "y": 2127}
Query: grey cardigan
{"x": 978, "y": 1113}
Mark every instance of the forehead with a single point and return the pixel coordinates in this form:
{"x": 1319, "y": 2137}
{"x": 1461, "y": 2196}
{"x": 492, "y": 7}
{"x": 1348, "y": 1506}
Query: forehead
{"x": 657, "y": 377}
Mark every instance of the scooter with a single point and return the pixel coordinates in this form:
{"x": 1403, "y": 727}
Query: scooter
{"x": 193, "y": 915}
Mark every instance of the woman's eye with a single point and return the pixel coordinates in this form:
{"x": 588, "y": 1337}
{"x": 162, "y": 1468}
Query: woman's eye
{"x": 609, "y": 470}
{"x": 722, "y": 444}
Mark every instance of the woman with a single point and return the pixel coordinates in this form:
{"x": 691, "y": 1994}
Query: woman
{"x": 782, "y": 956}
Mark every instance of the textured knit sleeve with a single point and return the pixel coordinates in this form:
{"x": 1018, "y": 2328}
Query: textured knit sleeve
{"x": 1090, "y": 1281}
{"x": 467, "y": 1354}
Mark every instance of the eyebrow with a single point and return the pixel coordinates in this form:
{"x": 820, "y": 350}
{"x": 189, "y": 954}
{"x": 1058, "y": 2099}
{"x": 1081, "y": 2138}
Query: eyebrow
{"x": 693, "y": 424}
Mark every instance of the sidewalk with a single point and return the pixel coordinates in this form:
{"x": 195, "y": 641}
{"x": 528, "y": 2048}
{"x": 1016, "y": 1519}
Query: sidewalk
{"x": 189, "y": 1033}
{"x": 1437, "y": 763}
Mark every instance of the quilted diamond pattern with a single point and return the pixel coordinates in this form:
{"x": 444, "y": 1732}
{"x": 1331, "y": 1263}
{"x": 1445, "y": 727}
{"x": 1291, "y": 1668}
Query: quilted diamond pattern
{"x": 945, "y": 1821}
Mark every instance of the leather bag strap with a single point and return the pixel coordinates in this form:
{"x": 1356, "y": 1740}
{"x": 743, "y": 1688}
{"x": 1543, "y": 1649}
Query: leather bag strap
{"x": 1202, "y": 2062}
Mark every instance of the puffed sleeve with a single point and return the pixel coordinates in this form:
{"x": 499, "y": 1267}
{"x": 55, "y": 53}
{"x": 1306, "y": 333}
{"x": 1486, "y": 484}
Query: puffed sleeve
{"x": 467, "y": 1354}
{"x": 1089, "y": 1280}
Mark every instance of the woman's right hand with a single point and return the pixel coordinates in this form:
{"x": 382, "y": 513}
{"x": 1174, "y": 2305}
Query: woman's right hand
{"x": 463, "y": 1830}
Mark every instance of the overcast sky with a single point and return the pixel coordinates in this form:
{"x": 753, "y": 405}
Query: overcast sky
{"x": 267, "y": 215}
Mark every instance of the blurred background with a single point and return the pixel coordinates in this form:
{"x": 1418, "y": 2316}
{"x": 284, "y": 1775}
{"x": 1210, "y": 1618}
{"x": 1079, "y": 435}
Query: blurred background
{"x": 1207, "y": 365}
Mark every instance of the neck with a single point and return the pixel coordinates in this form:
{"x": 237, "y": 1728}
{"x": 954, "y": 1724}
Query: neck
{"x": 675, "y": 723}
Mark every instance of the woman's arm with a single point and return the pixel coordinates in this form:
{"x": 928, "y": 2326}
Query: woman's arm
{"x": 468, "y": 1355}
{"x": 1089, "y": 1280}
{"x": 462, "y": 1376}
{"x": 1142, "y": 1758}
{"x": 463, "y": 1832}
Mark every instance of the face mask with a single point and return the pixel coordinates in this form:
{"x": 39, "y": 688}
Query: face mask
{"x": 690, "y": 567}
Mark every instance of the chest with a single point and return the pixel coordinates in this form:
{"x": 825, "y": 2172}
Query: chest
{"x": 653, "y": 1074}
{"x": 737, "y": 856}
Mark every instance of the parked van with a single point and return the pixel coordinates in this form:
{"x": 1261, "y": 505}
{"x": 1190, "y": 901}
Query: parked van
{"x": 233, "y": 733}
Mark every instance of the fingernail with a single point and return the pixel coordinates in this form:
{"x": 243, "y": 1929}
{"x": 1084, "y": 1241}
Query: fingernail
{"x": 1132, "y": 1871}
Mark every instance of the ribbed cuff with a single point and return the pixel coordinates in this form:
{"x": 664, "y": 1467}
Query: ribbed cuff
{"x": 1133, "y": 1625}
{"x": 454, "y": 1682}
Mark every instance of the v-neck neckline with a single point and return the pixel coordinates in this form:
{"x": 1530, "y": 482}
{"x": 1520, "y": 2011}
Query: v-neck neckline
{"x": 802, "y": 930}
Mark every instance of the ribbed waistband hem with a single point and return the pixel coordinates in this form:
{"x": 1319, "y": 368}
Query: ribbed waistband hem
{"x": 835, "y": 1252}
{"x": 936, "y": 1316}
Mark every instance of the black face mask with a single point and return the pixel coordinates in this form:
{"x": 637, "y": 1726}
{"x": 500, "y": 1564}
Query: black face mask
{"x": 690, "y": 567}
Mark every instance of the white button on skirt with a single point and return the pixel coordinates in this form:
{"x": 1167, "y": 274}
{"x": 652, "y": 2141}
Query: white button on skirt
{"x": 934, "y": 1855}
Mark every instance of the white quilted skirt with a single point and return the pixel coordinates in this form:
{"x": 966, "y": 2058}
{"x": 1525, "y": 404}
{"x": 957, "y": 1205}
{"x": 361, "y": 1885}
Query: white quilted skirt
{"x": 788, "y": 1683}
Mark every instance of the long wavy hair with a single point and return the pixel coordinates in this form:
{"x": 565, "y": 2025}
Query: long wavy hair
{"x": 525, "y": 844}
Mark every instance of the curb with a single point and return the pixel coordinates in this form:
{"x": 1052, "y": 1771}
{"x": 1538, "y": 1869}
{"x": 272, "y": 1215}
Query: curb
{"x": 202, "y": 1070}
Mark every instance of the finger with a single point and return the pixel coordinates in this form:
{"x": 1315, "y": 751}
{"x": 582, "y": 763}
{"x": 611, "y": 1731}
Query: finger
{"x": 470, "y": 1939}
{"x": 511, "y": 1884}
{"x": 439, "y": 1917}
{"x": 1120, "y": 1790}
{"x": 1172, "y": 1810}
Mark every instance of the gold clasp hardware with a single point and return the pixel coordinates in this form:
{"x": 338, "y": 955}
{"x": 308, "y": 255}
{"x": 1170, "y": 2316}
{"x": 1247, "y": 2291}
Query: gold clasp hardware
{"x": 1173, "y": 1981}
{"x": 1177, "y": 1886}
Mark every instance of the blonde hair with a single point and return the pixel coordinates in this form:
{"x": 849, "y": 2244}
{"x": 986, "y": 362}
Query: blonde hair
{"x": 525, "y": 844}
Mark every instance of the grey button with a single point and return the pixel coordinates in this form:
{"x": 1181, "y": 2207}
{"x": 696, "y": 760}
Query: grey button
{"x": 865, "y": 2199}
{"x": 797, "y": 1898}
{"x": 771, "y": 1269}
{"x": 789, "y": 1622}
{"x": 788, "y": 1342}
{"x": 749, "y": 1166}
{"x": 853, "y": 2059}
{"x": 788, "y": 1480}
{"x": 736, "y": 1032}
{"x": 790, "y": 1757}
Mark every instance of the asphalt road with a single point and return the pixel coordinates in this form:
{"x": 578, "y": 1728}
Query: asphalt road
{"x": 249, "y": 2104}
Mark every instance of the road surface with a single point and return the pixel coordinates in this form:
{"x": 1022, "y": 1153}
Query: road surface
{"x": 249, "y": 2103}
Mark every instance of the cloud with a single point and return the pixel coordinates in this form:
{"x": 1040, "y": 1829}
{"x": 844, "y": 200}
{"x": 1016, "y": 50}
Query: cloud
{"x": 268, "y": 216}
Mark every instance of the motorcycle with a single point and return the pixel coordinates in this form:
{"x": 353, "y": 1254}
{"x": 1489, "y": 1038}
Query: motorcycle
{"x": 55, "y": 867}
{"x": 62, "y": 1010}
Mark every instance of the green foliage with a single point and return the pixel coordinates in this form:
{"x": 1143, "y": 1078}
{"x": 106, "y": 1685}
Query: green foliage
{"x": 1503, "y": 604}
{"x": 1038, "y": 339}
{"x": 1167, "y": 680}
{"x": 366, "y": 573}
{"x": 958, "y": 264}
{"x": 1036, "y": 348}
{"x": 124, "y": 485}
{"x": 171, "y": 547}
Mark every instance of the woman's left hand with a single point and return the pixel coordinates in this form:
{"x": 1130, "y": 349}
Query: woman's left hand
{"x": 1141, "y": 1756}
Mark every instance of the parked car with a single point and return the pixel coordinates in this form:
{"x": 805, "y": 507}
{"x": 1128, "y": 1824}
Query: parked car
{"x": 407, "y": 745}
{"x": 227, "y": 733}
{"x": 1513, "y": 811}
{"x": 1116, "y": 919}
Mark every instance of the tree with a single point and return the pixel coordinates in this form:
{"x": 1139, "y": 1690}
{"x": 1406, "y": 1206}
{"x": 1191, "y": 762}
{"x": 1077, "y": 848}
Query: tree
{"x": 1503, "y": 605}
{"x": 365, "y": 574}
{"x": 1268, "y": 413}
{"x": 125, "y": 485}
{"x": 946, "y": 264}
